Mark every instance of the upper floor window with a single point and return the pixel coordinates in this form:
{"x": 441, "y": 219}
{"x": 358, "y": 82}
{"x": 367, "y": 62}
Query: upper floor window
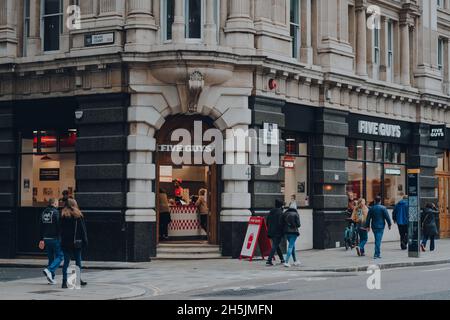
{"x": 295, "y": 27}
{"x": 168, "y": 13}
{"x": 193, "y": 19}
{"x": 26, "y": 25}
{"x": 390, "y": 44}
{"x": 52, "y": 23}
{"x": 440, "y": 53}
{"x": 376, "y": 46}
{"x": 440, "y": 4}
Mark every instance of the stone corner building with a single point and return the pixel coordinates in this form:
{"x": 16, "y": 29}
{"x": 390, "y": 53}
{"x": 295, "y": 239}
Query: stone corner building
{"x": 88, "y": 109}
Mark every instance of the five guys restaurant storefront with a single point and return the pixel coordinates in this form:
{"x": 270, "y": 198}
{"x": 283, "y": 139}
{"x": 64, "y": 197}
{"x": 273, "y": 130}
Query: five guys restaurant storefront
{"x": 328, "y": 156}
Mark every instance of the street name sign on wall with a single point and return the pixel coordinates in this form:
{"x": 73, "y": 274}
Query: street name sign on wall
{"x": 414, "y": 213}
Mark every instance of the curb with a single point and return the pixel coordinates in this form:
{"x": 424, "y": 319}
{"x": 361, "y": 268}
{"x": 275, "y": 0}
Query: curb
{"x": 87, "y": 267}
{"x": 384, "y": 266}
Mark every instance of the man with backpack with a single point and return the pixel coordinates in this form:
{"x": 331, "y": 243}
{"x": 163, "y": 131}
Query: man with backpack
{"x": 50, "y": 239}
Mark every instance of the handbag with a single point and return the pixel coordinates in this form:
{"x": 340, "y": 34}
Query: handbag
{"x": 77, "y": 244}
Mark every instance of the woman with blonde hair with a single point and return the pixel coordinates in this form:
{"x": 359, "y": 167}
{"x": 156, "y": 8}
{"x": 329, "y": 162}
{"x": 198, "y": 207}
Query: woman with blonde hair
{"x": 359, "y": 216}
{"x": 203, "y": 209}
{"x": 73, "y": 236}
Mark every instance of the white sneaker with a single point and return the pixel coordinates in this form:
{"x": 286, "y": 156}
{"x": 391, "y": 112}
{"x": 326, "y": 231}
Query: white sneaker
{"x": 287, "y": 265}
{"x": 49, "y": 276}
{"x": 297, "y": 263}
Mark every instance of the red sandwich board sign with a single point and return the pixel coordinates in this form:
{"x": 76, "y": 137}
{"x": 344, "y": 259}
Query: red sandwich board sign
{"x": 256, "y": 234}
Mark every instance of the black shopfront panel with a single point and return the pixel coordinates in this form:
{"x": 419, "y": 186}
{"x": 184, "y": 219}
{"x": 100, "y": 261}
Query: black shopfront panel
{"x": 363, "y": 127}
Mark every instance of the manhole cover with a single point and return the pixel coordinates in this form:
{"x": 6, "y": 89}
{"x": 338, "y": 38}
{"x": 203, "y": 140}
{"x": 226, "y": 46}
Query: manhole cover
{"x": 240, "y": 292}
{"x": 45, "y": 291}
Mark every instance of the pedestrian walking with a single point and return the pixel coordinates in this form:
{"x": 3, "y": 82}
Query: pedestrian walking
{"x": 50, "y": 239}
{"x": 203, "y": 209}
{"x": 73, "y": 237}
{"x": 376, "y": 219}
{"x": 359, "y": 216}
{"x": 291, "y": 224}
{"x": 164, "y": 215}
{"x": 429, "y": 227}
{"x": 400, "y": 216}
{"x": 293, "y": 203}
{"x": 275, "y": 231}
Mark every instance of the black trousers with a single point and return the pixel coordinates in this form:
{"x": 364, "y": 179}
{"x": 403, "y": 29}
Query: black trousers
{"x": 276, "y": 248}
{"x": 403, "y": 230}
{"x": 164, "y": 221}
{"x": 204, "y": 222}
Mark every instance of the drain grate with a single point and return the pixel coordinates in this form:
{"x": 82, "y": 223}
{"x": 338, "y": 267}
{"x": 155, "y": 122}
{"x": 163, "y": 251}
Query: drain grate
{"x": 45, "y": 291}
{"x": 240, "y": 293}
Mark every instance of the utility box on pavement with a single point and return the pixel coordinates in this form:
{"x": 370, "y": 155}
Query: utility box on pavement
{"x": 414, "y": 213}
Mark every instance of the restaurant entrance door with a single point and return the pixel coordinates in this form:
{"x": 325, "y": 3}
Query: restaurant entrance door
{"x": 180, "y": 185}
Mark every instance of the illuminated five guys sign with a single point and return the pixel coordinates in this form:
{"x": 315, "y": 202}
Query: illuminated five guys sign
{"x": 437, "y": 133}
{"x": 379, "y": 129}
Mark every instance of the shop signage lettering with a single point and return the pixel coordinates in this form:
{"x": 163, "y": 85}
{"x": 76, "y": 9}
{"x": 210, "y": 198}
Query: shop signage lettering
{"x": 49, "y": 174}
{"x": 184, "y": 148}
{"x": 392, "y": 172}
{"x": 379, "y": 129}
{"x": 437, "y": 133}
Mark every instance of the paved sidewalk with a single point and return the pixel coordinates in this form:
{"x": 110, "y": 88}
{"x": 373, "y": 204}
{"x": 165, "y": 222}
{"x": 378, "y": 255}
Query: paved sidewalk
{"x": 160, "y": 277}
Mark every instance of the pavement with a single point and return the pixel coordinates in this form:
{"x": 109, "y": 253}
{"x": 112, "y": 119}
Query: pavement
{"x": 159, "y": 278}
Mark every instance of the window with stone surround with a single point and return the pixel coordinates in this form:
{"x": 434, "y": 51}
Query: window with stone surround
{"x": 295, "y": 27}
{"x": 51, "y": 23}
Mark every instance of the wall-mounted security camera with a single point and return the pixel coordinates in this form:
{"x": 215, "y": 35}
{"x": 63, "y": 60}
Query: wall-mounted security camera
{"x": 79, "y": 114}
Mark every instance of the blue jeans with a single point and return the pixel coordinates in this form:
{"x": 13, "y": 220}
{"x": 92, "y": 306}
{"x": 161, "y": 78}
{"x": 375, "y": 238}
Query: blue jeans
{"x": 76, "y": 253}
{"x": 425, "y": 240}
{"x": 378, "y": 233}
{"x": 363, "y": 237}
{"x": 291, "y": 247}
{"x": 54, "y": 254}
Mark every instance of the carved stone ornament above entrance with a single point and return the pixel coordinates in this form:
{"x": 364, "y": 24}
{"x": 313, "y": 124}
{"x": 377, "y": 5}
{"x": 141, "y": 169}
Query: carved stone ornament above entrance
{"x": 195, "y": 88}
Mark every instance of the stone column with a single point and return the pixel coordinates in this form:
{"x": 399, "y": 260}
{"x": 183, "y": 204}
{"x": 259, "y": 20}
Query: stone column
{"x": 404, "y": 52}
{"x": 329, "y": 178}
{"x": 210, "y": 24}
{"x": 178, "y": 28}
{"x": 8, "y": 180}
{"x": 8, "y": 25}
{"x": 306, "y": 50}
{"x": 140, "y": 217}
{"x": 422, "y": 155}
{"x": 140, "y": 27}
{"x": 34, "y": 40}
{"x": 361, "y": 38}
{"x": 239, "y": 28}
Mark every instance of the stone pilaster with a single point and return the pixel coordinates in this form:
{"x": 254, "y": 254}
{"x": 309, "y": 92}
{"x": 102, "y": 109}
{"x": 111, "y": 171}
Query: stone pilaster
{"x": 329, "y": 177}
{"x": 140, "y": 27}
{"x": 361, "y": 38}
{"x": 422, "y": 155}
{"x": 239, "y": 28}
{"x": 8, "y": 26}
{"x": 8, "y": 186}
{"x": 178, "y": 29}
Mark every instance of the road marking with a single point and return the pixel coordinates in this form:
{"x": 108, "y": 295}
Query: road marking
{"x": 434, "y": 270}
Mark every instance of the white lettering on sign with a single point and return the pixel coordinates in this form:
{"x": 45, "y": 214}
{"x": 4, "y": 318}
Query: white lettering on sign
{"x": 379, "y": 129}
{"x": 437, "y": 133}
{"x": 184, "y": 148}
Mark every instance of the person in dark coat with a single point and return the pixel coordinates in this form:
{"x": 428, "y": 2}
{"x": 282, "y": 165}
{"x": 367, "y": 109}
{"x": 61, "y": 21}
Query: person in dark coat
{"x": 429, "y": 227}
{"x": 291, "y": 223}
{"x": 73, "y": 237}
{"x": 400, "y": 216}
{"x": 50, "y": 239}
{"x": 275, "y": 231}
